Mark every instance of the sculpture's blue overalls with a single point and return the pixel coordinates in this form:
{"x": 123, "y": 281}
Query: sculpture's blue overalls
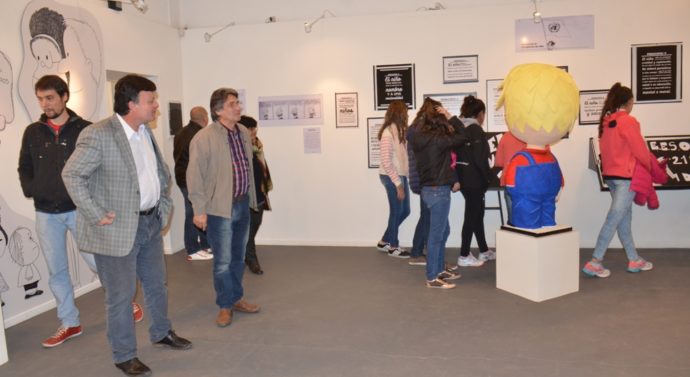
{"x": 534, "y": 194}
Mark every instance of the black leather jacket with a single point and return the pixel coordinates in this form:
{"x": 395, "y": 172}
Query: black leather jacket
{"x": 41, "y": 159}
{"x": 432, "y": 152}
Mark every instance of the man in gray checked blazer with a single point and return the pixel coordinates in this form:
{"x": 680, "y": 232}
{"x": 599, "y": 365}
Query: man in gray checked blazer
{"x": 120, "y": 184}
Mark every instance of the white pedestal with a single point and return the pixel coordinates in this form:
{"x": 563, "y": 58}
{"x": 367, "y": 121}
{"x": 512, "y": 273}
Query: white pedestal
{"x": 3, "y": 343}
{"x": 538, "y": 266}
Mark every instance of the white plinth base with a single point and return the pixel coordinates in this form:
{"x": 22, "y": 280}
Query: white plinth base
{"x": 538, "y": 267}
{"x": 3, "y": 343}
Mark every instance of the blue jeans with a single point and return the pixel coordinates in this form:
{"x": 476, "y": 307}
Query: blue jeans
{"x": 194, "y": 238}
{"x": 119, "y": 278}
{"x": 618, "y": 219}
{"x": 437, "y": 200}
{"x": 398, "y": 210}
{"x": 51, "y": 231}
{"x": 421, "y": 231}
{"x": 228, "y": 238}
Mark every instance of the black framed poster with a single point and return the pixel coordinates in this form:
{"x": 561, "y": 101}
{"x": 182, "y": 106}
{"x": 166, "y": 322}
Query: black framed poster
{"x": 675, "y": 149}
{"x": 657, "y": 71}
{"x": 175, "y": 117}
{"x": 394, "y": 83}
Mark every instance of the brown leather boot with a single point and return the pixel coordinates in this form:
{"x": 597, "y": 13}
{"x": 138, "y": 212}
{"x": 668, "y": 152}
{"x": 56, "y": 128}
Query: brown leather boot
{"x": 245, "y": 307}
{"x": 224, "y": 318}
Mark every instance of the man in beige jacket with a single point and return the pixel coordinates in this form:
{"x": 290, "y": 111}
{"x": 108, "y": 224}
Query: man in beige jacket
{"x": 220, "y": 180}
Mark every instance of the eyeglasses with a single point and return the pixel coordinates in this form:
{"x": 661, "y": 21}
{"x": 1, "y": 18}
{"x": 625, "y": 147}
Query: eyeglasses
{"x": 234, "y": 103}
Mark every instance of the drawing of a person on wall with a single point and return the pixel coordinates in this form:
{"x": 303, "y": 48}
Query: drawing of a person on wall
{"x": 65, "y": 43}
{"x": 6, "y": 102}
{"x": 3, "y": 245}
{"x": 24, "y": 251}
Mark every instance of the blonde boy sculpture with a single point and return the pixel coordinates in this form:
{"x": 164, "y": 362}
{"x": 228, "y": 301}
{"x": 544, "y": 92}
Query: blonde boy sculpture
{"x": 541, "y": 104}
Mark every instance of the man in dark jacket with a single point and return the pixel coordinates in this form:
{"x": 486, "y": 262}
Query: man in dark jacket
{"x": 46, "y": 146}
{"x": 194, "y": 238}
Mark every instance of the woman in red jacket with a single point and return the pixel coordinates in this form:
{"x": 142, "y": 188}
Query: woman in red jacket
{"x": 621, "y": 147}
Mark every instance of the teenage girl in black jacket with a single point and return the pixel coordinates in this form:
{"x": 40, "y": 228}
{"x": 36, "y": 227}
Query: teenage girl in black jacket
{"x": 474, "y": 175}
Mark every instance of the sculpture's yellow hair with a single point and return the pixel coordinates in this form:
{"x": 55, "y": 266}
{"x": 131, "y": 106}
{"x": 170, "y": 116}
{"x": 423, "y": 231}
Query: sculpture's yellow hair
{"x": 540, "y": 97}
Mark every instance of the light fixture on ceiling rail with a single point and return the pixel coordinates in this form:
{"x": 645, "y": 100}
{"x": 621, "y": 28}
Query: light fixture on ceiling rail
{"x": 536, "y": 15}
{"x": 308, "y": 25}
{"x": 209, "y": 36}
{"x": 139, "y": 4}
{"x": 437, "y": 6}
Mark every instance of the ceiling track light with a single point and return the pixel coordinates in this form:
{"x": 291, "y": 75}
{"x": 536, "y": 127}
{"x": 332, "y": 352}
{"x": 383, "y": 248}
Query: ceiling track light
{"x": 437, "y": 6}
{"x": 140, "y": 5}
{"x": 209, "y": 36}
{"x": 536, "y": 15}
{"x": 308, "y": 25}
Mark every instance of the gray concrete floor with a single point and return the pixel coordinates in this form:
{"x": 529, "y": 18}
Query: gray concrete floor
{"x": 337, "y": 311}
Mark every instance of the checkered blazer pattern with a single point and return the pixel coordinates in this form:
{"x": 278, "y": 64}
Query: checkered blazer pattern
{"x": 101, "y": 177}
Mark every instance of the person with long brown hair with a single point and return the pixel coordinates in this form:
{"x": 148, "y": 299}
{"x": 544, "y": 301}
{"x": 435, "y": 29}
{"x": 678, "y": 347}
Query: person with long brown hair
{"x": 434, "y": 140}
{"x": 393, "y": 173}
{"x": 622, "y": 147}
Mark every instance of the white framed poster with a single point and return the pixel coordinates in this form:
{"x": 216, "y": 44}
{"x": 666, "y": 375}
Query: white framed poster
{"x": 451, "y": 101}
{"x": 346, "y": 110}
{"x": 291, "y": 110}
{"x": 373, "y": 145}
{"x": 591, "y": 104}
{"x": 459, "y": 69}
{"x": 657, "y": 72}
{"x": 495, "y": 119}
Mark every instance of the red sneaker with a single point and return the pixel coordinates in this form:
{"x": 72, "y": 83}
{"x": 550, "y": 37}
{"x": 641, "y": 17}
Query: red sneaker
{"x": 137, "y": 312}
{"x": 61, "y": 335}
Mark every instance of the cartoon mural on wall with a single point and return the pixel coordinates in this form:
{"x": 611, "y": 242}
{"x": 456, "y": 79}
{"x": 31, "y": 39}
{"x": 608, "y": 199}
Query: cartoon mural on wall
{"x": 23, "y": 270}
{"x": 6, "y": 101}
{"x": 24, "y": 251}
{"x": 3, "y": 245}
{"x": 64, "y": 41}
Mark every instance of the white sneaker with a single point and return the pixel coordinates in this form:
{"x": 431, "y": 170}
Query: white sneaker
{"x": 487, "y": 255}
{"x": 200, "y": 255}
{"x": 469, "y": 261}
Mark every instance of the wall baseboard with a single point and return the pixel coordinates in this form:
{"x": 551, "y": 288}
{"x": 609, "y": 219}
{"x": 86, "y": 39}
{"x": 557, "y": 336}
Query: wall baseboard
{"x": 23, "y": 316}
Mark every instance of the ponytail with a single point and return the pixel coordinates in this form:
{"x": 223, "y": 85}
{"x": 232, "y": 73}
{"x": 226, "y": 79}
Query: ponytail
{"x": 617, "y": 96}
{"x": 471, "y": 107}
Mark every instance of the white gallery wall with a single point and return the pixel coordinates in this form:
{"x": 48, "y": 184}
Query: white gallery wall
{"x": 332, "y": 198}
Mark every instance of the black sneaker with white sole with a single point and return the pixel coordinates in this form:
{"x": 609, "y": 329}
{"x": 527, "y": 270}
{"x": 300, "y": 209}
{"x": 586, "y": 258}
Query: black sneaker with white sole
{"x": 398, "y": 252}
{"x": 383, "y": 246}
{"x": 449, "y": 275}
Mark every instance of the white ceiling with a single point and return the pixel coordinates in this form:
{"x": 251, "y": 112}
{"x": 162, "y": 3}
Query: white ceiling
{"x": 214, "y": 13}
